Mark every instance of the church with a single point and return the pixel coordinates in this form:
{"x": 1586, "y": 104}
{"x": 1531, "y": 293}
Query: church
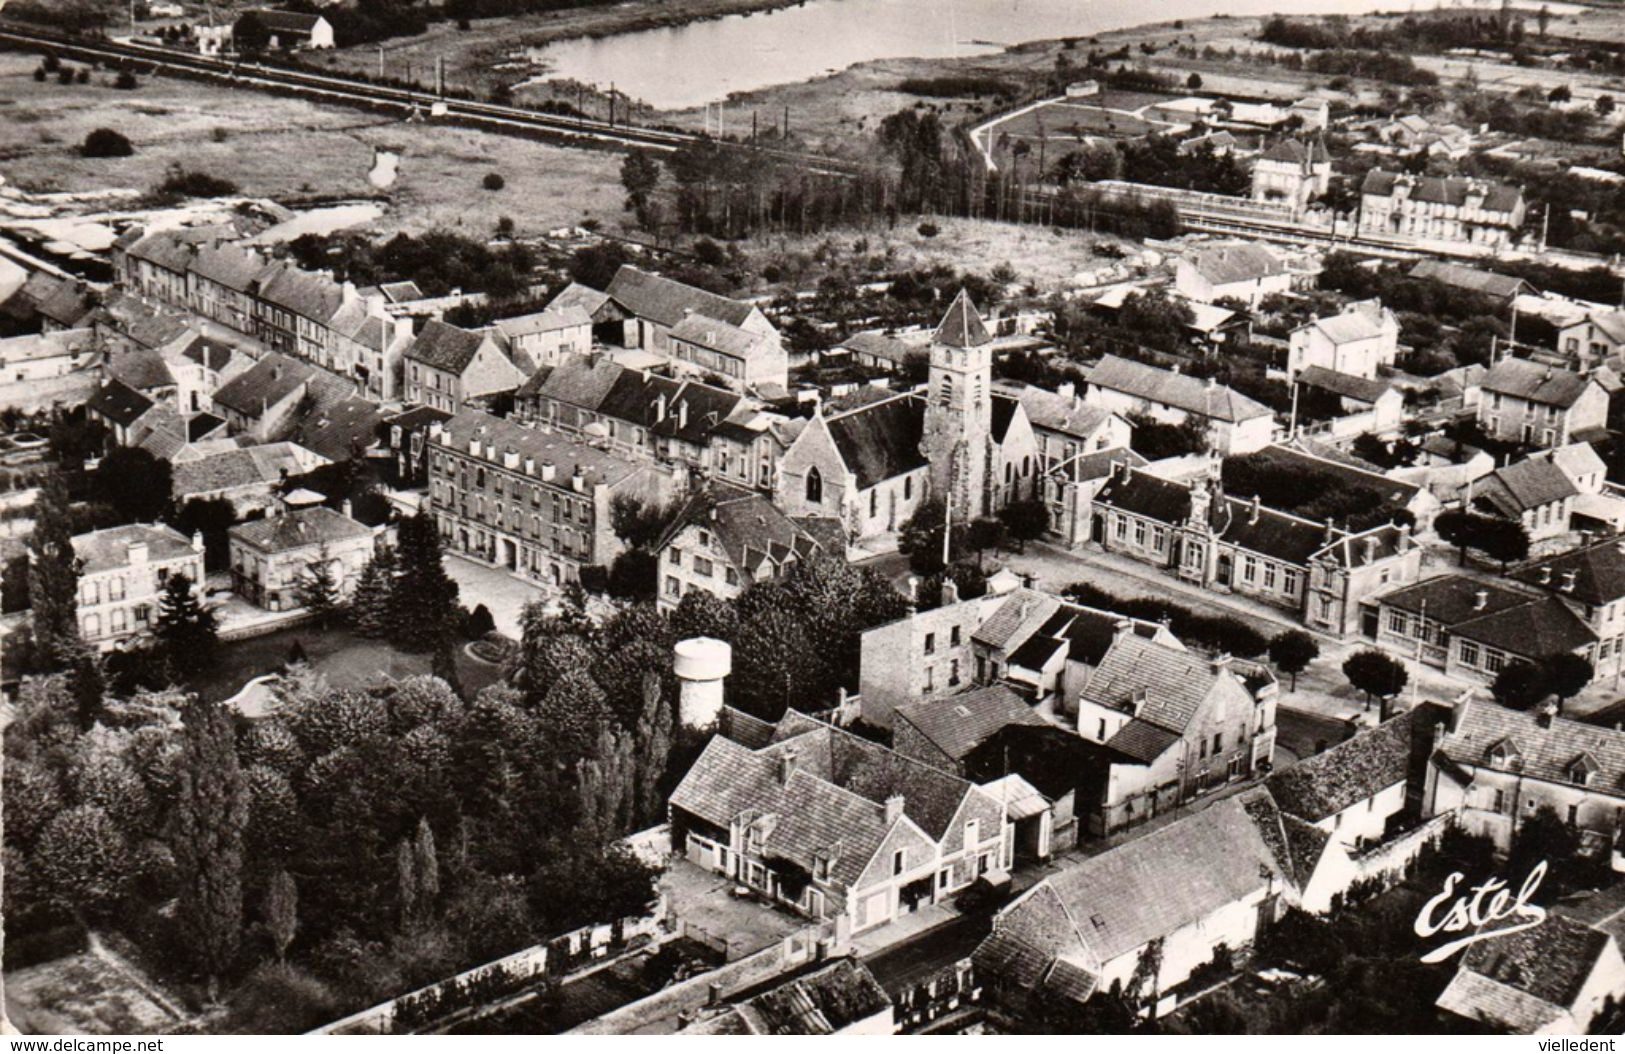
{"x": 958, "y": 440}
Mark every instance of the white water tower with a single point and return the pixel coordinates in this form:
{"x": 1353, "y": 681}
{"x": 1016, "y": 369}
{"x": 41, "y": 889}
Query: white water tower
{"x": 701, "y": 665}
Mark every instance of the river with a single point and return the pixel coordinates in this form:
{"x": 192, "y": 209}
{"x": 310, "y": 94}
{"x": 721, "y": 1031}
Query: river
{"x": 683, "y": 66}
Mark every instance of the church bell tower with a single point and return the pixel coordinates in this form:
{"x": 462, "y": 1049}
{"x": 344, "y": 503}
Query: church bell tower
{"x": 959, "y": 412}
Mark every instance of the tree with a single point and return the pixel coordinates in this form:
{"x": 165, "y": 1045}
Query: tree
{"x": 1519, "y": 685}
{"x": 250, "y": 33}
{"x": 425, "y": 596}
{"x": 640, "y": 175}
{"x": 281, "y": 911}
{"x": 920, "y": 537}
{"x": 1560, "y": 95}
{"x": 653, "y": 737}
{"x": 426, "y": 865}
{"x": 1605, "y": 105}
{"x": 213, "y": 518}
{"x": 1292, "y": 652}
{"x": 210, "y": 815}
{"x": 406, "y": 886}
{"x": 186, "y": 631}
{"x": 14, "y": 585}
{"x": 372, "y": 603}
{"x": 637, "y": 522}
{"x": 82, "y": 864}
{"x": 1566, "y": 674}
{"x": 1376, "y": 674}
{"x": 104, "y": 142}
{"x": 1495, "y": 537}
{"x": 134, "y": 483}
{"x": 1194, "y": 82}
{"x": 634, "y": 575}
{"x": 317, "y": 590}
{"x": 1025, "y": 520}
{"x": 53, "y": 575}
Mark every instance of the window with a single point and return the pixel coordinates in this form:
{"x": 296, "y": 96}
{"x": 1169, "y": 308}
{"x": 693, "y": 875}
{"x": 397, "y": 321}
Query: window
{"x": 1101, "y": 735}
{"x": 953, "y": 672}
{"x": 676, "y": 557}
{"x": 815, "y": 486}
{"x": 674, "y": 588}
{"x": 1493, "y": 660}
{"x": 115, "y": 588}
{"x": 899, "y": 861}
{"x": 1269, "y": 576}
{"x": 1469, "y": 653}
{"x": 908, "y": 487}
{"x": 1500, "y": 801}
{"x": 945, "y": 877}
{"x": 702, "y": 567}
{"x": 874, "y": 503}
{"x": 953, "y": 636}
{"x": 1119, "y": 527}
{"x": 1139, "y": 532}
{"x": 930, "y": 686}
{"x": 1249, "y": 568}
{"x": 732, "y": 576}
{"x": 1574, "y": 815}
{"x": 972, "y": 831}
{"x": 1396, "y": 622}
{"x": 930, "y": 643}
{"x": 1218, "y": 743}
{"x": 143, "y": 613}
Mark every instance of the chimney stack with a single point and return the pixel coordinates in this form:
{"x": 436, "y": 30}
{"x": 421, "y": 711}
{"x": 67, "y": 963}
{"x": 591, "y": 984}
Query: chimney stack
{"x": 1568, "y": 581}
{"x": 1544, "y": 715}
{"x": 1481, "y": 599}
{"x": 345, "y": 508}
{"x": 1122, "y": 628}
{"x": 1252, "y": 516}
{"x": 137, "y": 553}
{"x": 1370, "y": 550}
{"x": 950, "y": 590}
{"x": 894, "y": 808}
{"x": 787, "y": 767}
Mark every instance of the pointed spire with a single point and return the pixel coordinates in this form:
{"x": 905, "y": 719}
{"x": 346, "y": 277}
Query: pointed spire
{"x": 962, "y": 325}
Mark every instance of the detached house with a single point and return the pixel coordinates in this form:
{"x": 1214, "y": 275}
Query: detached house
{"x": 122, "y": 573}
{"x": 272, "y": 558}
{"x": 1358, "y": 342}
{"x": 1529, "y": 403}
{"x": 1496, "y": 767}
{"x": 1243, "y": 271}
{"x": 546, "y": 337}
{"x": 835, "y": 827}
{"x": 264, "y": 399}
{"x": 448, "y": 368}
{"x": 1442, "y": 209}
{"x": 1591, "y": 340}
{"x": 1533, "y": 492}
{"x": 1235, "y": 424}
{"x": 701, "y": 331}
{"x": 1181, "y": 724}
{"x": 723, "y": 540}
{"x": 1293, "y": 172}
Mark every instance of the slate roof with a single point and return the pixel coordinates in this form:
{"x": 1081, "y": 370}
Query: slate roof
{"x": 1142, "y": 741}
{"x": 880, "y": 345}
{"x": 141, "y": 368}
{"x": 1349, "y": 386}
{"x": 566, "y": 453}
{"x": 1057, "y": 413}
{"x": 1463, "y": 277}
{"x": 418, "y": 417}
{"x": 264, "y": 384}
{"x": 1146, "y": 495}
{"x": 707, "y": 408}
{"x": 750, "y": 528}
{"x": 261, "y": 465}
{"x": 313, "y": 296}
{"x": 1479, "y": 998}
{"x": 548, "y": 320}
{"x": 279, "y": 21}
{"x": 1229, "y": 262}
{"x": 118, "y": 402}
{"x": 721, "y": 337}
{"x": 58, "y": 300}
{"x": 575, "y": 294}
{"x": 443, "y": 346}
{"x": 108, "y": 550}
{"x": 1498, "y": 197}
{"x": 400, "y": 292}
{"x": 1366, "y": 548}
{"x": 1547, "y": 753}
{"x": 299, "y": 528}
{"x": 1097, "y": 465}
{"x": 1612, "y": 324}
{"x": 209, "y": 353}
{"x": 1113, "y": 904}
{"x": 1174, "y": 683}
{"x": 1534, "y": 382}
{"x": 1181, "y": 391}
{"x": 961, "y": 326}
{"x": 882, "y": 440}
{"x": 667, "y": 302}
{"x": 819, "y": 1002}
{"x": 1350, "y": 772}
{"x": 1451, "y": 599}
{"x": 581, "y": 381}
{"x": 336, "y": 431}
{"x": 1531, "y": 625}
{"x": 958, "y": 724}
{"x": 1297, "y": 151}
{"x": 1528, "y": 484}
{"x": 228, "y": 265}
{"x": 1599, "y": 573}
{"x": 1362, "y": 320}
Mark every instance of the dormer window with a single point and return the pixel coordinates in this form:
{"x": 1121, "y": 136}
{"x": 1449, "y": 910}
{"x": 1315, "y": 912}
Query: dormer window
{"x": 1583, "y": 770}
{"x": 1506, "y": 756}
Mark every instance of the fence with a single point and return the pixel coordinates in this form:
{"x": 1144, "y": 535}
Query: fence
{"x": 416, "y": 1010}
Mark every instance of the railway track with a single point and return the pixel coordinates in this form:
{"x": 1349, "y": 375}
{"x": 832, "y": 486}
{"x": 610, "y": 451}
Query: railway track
{"x": 493, "y": 117}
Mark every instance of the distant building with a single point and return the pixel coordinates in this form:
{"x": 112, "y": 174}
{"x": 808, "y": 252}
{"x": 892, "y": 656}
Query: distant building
{"x": 1293, "y": 172}
{"x": 1235, "y": 423}
{"x": 289, "y": 29}
{"x": 1590, "y": 582}
{"x": 122, "y": 573}
{"x": 272, "y": 557}
{"x": 545, "y": 337}
{"x": 1599, "y": 336}
{"x": 1359, "y": 341}
{"x": 1526, "y": 402}
{"x": 1459, "y": 276}
{"x": 45, "y": 356}
{"x": 248, "y": 477}
{"x": 1244, "y": 271}
{"x": 264, "y": 400}
{"x": 1358, "y": 395}
{"x": 1441, "y": 209}
{"x": 448, "y": 368}
{"x": 407, "y": 437}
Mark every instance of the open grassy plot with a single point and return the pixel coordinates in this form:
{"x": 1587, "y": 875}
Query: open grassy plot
{"x": 92, "y": 993}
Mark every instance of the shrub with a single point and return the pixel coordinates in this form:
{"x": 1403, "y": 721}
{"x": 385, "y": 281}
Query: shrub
{"x": 125, "y": 81}
{"x": 595, "y": 578}
{"x": 64, "y": 76}
{"x": 195, "y": 184}
{"x": 493, "y": 181}
{"x": 83, "y": 76}
{"x": 50, "y": 64}
{"x": 104, "y": 142}
{"x": 39, "y": 74}
{"x": 479, "y": 623}
{"x": 929, "y": 230}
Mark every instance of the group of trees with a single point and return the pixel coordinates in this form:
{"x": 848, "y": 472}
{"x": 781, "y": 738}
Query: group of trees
{"x": 1497, "y": 537}
{"x": 1221, "y": 633}
{"x": 1521, "y": 685}
{"x": 1287, "y": 483}
{"x": 438, "y": 262}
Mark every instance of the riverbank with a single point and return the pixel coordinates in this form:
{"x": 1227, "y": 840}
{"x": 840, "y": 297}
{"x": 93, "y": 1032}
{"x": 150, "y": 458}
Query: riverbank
{"x": 485, "y": 55}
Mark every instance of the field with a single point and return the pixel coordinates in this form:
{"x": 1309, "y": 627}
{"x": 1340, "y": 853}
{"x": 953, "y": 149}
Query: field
{"x": 290, "y": 149}
{"x": 95, "y": 992}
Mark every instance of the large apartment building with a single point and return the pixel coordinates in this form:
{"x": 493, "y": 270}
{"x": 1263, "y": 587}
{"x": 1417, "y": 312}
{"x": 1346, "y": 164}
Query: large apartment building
{"x": 535, "y": 503}
{"x": 1441, "y": 209}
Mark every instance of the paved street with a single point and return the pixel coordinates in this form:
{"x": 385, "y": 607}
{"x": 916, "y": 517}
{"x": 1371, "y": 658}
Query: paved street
{"x": 503, "y": 594}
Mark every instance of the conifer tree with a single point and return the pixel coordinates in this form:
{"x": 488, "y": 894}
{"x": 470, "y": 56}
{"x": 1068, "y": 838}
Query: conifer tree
{"x": 425, "y": 596}
{"x": 317, "y": 589}
{"x": 371, "y": 602}
{"x": 53, "y": 576}
{"x": 210, "y": 816}
{"x": 281, "y": 911}
{"x": 654, "y": 742}
{"x": 426, "y": 864}
{"x": 186, "y": 631}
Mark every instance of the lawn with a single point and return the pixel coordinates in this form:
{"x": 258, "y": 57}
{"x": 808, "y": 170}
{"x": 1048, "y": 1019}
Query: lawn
{"x": 345, "y": 659}
{"x": 287, "y": 148}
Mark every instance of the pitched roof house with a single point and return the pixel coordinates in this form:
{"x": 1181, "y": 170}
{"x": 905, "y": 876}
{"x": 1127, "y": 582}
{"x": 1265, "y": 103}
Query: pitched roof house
{"x": 448, "y": 368}
{"x": 1236, "y": 423}
{"x": 724, "y": 539}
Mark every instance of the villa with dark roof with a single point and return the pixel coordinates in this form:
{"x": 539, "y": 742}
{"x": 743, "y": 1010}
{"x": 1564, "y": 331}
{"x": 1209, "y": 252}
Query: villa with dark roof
{"x": 835, "y": 827}
{"x": 1358, "y": 341}
{"x": 723, "y": 540}
{"x": 272, "y": 558}
{"x": 1441, "y": 209}
{"x": 1534, "y": 492}
{"x": 1292, "y": 172}
{"x": 1527, "y": 402}
{"x": 1320, "y": 571}
{"x": 1495, "y": 767}
{"x": 1471, "y": 628}
{"x": 448, "y": 368}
